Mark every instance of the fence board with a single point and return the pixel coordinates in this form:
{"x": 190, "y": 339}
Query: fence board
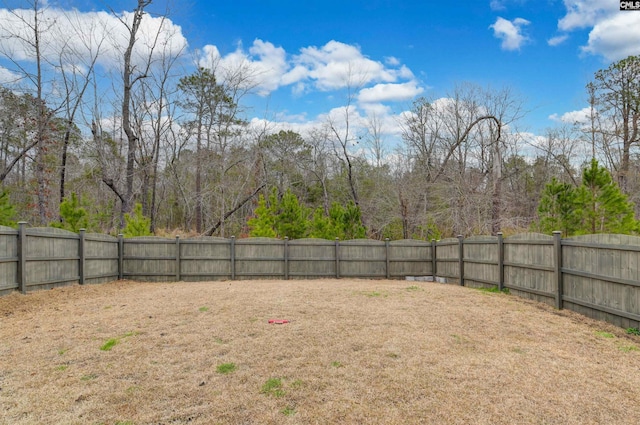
{"x": 363, "y": 258}
{"x": 205, "y": 258}
{"x": 8, "y": 259}
{"x": 51, "y": 258}
{"x": 259, "y": 258}
{"x": 101, "y": 258}
{"x": 410, "y": 258}
{"x": 149, "y": 259}
{"x": 530, "y": 249}
{"x": 481, "y": 262}
{"x": 447, "y": 256}
{"x": 312, "y": 258}
{"x": 602, "y": 272}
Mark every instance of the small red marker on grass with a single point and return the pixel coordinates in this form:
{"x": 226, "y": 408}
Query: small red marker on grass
{"x": 278, "y": 321}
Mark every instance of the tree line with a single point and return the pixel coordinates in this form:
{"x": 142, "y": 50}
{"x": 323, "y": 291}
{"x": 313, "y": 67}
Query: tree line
{"x": 169, "y": 147}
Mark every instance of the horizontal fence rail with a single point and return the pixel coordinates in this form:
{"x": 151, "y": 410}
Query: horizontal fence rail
{"x": 595, "y": 275}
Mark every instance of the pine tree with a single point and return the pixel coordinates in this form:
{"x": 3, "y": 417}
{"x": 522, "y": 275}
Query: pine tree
{"x": 291, "y": 219}
{"x": 558, "y": 209}
{"x": 7, "y": 210}
{"x": 263, "y": 222}
{"x": 136, "y": 224}
{"x": 74, "y": 217}
{"x": 602, "y": 205}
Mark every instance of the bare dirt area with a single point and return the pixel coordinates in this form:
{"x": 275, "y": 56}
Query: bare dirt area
{"x": 353, "y": 352}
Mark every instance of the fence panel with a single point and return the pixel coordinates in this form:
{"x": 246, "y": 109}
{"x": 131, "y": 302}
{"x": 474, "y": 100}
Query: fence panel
{"x": 101, "y": 258}
{"x": 8, "y": 259}
{"x": 410, "y": 258}
{"x": 363, "y": 258}
{"x": 447, "y": 259}
{"x": 312, "y": 259}
{"x": 205, "y": 258}
{"x": 52, "y": 258}
{"x": 601, "y": 277}
{"x": 259, "y": 258}
{"x": 150, "y": 259}
{"x": 481, "y": 262}
{"x": 529, "y": 266}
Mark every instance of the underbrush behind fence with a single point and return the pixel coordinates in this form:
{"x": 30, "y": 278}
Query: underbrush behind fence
{"x": 596, "y": 275}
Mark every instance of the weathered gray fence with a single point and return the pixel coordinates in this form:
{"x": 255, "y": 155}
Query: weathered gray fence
{"x": 596, "y": 275}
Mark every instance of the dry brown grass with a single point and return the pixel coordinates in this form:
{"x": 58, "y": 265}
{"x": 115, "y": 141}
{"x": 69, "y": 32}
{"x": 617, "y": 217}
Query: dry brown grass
{"x": 355, "y": 352}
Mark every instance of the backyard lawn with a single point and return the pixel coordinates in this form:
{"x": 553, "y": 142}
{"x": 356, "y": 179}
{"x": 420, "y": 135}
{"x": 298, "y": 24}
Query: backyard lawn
{"x": 350, "y": 352}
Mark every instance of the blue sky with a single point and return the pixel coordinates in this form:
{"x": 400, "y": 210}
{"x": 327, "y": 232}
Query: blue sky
{"x": 544, "y": 50}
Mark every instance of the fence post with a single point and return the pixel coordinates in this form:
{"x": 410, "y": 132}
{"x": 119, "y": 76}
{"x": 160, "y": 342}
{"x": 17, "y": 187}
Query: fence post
{"x": 557, "y": 248}
{"x": 461, "y": 258}
{"x": 434, "y": 260}
{"x": 500, "y": 261}
{"x": 178, "y": 277}
{"x": 120, "y": 256}
{"x": 81, "y": 254}
{"x": 286, "y": 258}
{"x": 337, "y": 258}
{"x": 22, "y": 257}
{"x": 233, "y": 257}
{"x": 386, "y": 248}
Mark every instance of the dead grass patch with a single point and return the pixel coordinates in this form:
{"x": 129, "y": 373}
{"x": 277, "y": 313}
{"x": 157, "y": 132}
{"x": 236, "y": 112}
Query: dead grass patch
{"x": 354, "y": 352}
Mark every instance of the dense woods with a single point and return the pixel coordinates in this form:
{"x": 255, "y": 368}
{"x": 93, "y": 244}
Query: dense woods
{"x": 86, "y": 142}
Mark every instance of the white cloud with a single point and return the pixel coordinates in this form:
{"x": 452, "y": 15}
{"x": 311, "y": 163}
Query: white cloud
{"x": 76, "y": 36}
{"x": 573, "y": 117}
{"x": 331, "y": 67}
{"x": 510, "y": 32}
{"x": 8, "y": 77}
{"x": 389, "y": 92}
{"x": 555, "y": 41}
{"x": 391, "y": 61}
{"x": 615, "y": 38}
{"x": 586, "y": 13}
{"x": 613, "y": 34}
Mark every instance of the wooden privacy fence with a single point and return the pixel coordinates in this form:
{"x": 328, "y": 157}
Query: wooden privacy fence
{"x": 596, "y": 275}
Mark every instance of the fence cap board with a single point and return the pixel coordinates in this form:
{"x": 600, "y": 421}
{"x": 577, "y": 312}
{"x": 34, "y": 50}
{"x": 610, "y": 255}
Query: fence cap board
{"x": 100, "y": 237}
{"x": 311, "y": 241}
{"x": 529, "y": 236}
{"x": 409, "y": 242}
{"x": 360, "y": 242}
{"x": 205, "y": 239}
{"x": 6, "y": 230}
{"x": 483, "y": 238}
{"x": 159, "y": 239}
{"x": 606, "y": 239}
{"x": 259, "y": 241}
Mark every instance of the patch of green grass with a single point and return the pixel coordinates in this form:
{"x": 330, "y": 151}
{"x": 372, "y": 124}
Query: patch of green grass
{"x": 62, "y": 367}
{"x": 337, "y": 364}
{"x": 225, "y": 368}
{"x": 494, "y": 290}
{"x": 298, "y": 383}
{"x": 413, "y": 288}
{"x": 219, "y": 340}
{"x": 203, "y": 309}
{"x": 62, "y": 351}
{"x": 107, "y": 346}
{"x": 605, "y": 334}
{"x": 288, "y": 411}
{"x": 273, "y": 387}
{"x": 633, "y": 331}
{"x": 373, "y": 294}
{"x": 89, "y": 377}
{"x": 629, "y": 348}
{"x": 112, "y": 342}
{"x": 393, "y": 355}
